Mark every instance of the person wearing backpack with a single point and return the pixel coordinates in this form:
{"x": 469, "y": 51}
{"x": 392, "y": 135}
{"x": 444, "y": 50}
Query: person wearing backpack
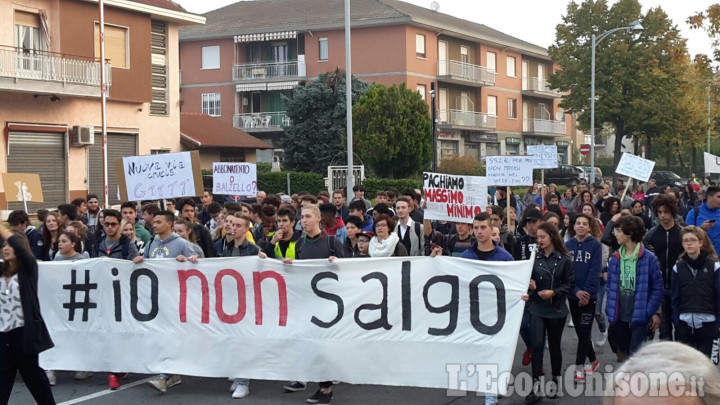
{"x": 410, "y": 232}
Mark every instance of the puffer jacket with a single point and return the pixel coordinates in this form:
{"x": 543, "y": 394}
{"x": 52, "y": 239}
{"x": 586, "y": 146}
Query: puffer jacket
{"x": 648, "y": 291}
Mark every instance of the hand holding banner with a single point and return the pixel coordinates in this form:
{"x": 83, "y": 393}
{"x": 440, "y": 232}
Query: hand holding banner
{"x": 167, "y": 175}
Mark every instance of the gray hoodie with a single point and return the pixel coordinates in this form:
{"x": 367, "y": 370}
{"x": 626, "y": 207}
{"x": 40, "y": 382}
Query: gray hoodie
{"x": 170, "y": 247}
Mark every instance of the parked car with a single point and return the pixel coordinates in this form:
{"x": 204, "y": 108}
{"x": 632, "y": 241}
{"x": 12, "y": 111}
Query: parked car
{"x": 598, "y": 173}
{"x": 564, "y": 174}
{"x": 667, "y": 178}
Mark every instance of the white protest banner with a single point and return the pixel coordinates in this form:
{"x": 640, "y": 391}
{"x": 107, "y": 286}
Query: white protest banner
{"x": 152, "y": 177}
{"x": 234, "y": 178}
{"x": 509, "y": 170}
{"x": 712, "y": 163}
{"x": 312, "y": 320}
{"x": 544, "y": 156}
{"x": 454, "y": 197}
{"x": 635, "y": 167}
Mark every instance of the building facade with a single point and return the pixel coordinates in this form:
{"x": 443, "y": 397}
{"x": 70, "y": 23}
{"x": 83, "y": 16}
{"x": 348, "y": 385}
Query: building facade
{"x": 492, "y": 95}
{"x": 50, "y": 104}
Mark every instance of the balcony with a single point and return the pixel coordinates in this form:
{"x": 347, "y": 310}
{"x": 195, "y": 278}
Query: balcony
{"x": 458, "y": 119}
{"x": 535, "y": 126}
{"x": 270, "y": 71}
{"x": 466, "y": 74}
{"x": 261, "y": 122}
{"x": 536, "y": 87}
{"x": 50, "y": 73}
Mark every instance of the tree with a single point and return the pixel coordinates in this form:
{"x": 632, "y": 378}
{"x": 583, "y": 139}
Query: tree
{"x": 315, "y": 137}
{"x": 709, "y": 20}
{"x": 393, "y": 131}
{"x": 637, "y": 79}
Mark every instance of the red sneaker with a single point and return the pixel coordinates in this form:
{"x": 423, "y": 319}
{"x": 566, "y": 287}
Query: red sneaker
{"x": 113, "y": 381}
{"x": 590, "y": 368}
{"x": 527, "y": 357}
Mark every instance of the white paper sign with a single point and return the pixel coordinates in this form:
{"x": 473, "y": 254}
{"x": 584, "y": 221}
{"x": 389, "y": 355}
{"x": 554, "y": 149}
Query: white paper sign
{"x": 712, "y": 163}
{"x": 509, "y": 170}
{"x": 635, "y": 167}
{"x": 312, "y": 320}
{"x": 234, "y": 178}
{"x": 151, "y": 177}
{"x": 544, "y": 156}
{"x": 453, "y": 197}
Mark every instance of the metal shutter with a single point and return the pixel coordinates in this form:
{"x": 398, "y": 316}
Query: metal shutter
{"x": 119, "y": 145}
{"x": 44, "y": 154}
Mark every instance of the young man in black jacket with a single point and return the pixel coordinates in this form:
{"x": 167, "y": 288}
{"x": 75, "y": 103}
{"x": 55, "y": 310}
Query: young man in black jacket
{"x": 202, "y": 234}
{"x": 20, "y": 221}
{"x": 665, "y": 241}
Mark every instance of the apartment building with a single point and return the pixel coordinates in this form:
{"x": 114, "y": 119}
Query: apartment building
{"x": 492, "y": 93}
{"x": 50, "y": 105}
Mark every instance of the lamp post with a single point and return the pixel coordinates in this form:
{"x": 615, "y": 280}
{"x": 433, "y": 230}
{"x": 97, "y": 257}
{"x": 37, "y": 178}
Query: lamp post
{"x": 634, "y": 26}
{"x": 434, "y": 128}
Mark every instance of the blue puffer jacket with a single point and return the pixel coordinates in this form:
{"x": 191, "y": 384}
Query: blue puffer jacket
{"x": 648, "y": 292}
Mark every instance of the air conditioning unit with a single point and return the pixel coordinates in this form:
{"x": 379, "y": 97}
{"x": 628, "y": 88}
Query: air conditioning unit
{"x": 83, "y": 135}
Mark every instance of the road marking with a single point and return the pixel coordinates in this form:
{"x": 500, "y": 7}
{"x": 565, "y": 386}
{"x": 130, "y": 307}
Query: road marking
{"x": 106, "y": 392}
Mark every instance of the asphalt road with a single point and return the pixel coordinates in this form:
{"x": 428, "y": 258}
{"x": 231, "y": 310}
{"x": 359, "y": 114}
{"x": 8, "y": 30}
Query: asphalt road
{"x": 216, "y": 391}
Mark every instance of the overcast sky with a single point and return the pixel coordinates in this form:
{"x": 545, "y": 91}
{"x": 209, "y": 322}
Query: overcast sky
{"x": 533, "y": 21}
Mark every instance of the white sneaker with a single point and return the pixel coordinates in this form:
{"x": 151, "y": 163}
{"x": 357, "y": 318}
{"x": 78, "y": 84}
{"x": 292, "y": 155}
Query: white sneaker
{"x": 242, "y": 390}
{"x": 601, "y": 339}
{"x": 571, "y": 324}
{"x": 173, "y": 380}
{"x": 82, "y": 375}
{"x": 51, "y": 377}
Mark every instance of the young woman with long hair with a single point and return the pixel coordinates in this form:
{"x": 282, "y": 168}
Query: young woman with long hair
{"x": 23, "y": 335}
{"x": 552, "y": 280}
{"x": 70, "y": 248}
{"x": 51, "y": 233}
{"x": 128, "y": 229}
{"x": 184, "y": 228}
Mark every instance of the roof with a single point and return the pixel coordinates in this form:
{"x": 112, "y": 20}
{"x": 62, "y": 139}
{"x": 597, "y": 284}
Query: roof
{"x": 162, "y": 4}
{"x": 199, "y": 131}
{"x": 248, "y": 17}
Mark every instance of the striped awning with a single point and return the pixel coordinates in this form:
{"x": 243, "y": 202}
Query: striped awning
{"x": 282, "y": 85}
{"x": 266, "y": 36}
{"x": 251, "y": 87}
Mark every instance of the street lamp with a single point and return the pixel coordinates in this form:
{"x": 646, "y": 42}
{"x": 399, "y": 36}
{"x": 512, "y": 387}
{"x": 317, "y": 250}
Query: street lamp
{"x": 634, "y": 26}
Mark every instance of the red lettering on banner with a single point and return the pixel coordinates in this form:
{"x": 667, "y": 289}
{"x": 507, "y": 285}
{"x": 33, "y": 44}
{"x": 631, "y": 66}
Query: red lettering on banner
{"x": 258, "y": 278}
{"x": 242, "y": 308}
{"x": 456, "y": 197}
{"x": 462, "y": 211}
{"x": 436, "y": 195}
{"x": 183, "y": 276}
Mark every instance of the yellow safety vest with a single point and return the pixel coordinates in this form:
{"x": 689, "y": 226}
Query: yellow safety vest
{"x": 290, "y": 252}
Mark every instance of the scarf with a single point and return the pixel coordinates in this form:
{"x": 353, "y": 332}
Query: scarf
{"x": 385, "y": 248}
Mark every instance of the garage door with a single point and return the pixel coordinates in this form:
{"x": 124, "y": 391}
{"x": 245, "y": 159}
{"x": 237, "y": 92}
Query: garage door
{"x": 44, "y": 154}
{"x": 119, "y": 145}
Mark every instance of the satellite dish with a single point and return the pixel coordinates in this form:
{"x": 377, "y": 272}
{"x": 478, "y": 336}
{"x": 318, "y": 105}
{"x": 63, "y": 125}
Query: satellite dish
{"x": 559, "y": 115}
{"x": 434, "y": 6}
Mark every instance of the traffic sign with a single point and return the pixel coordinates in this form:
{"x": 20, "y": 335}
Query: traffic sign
{"x": 585, "y": 149}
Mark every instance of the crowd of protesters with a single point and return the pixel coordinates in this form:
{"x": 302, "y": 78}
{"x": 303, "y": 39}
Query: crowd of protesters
{"x": 638, "y": 262}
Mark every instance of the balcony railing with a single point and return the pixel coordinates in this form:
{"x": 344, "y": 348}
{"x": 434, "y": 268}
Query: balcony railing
{"x": 466, "y": 71}
{"x": 539, "y": 85}
{"x": 544, "y": 126}
{"x": 468, "y": 119}
{"x": 269, "y": 70}
{"x": 51, "y": 67}
{"x": 259, "y": 121}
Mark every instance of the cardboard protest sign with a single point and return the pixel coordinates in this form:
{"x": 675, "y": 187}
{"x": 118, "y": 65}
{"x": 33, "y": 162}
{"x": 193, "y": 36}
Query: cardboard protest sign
{"x": 635, "y": 167}
{"x": 712, "y": 163}
{"x": 234, "y": 178}
{"x": 312, "y": 320}
{"x": 509, "y": 170}
{"x": 153, "y": 177}
{"x": 544, "y": 156}
{"x": 454, "y": 198}
{"x": 17, "y": 184}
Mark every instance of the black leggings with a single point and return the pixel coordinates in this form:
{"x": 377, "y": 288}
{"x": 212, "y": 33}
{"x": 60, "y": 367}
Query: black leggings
{"x": 12, "y": 361}
{"x": 583, "y": 318}
{"x": 554, "y": 328}
{"x": 701, "y": 339}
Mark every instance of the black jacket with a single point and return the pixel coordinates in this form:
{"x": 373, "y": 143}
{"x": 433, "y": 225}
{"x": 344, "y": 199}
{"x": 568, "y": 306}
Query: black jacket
{"x": 554, "y": 272}
{"x": 204, "y": 239}
{"x": 521, "y": 250}
{"x": 36, "y": 338}
{"x": 667, "y": 247}
{"x": 245, "y": 249}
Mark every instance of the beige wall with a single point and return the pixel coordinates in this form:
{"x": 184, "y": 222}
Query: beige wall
{"x": 191, "y": 58}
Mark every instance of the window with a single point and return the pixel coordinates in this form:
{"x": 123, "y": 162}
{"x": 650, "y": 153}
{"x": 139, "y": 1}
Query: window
{"x": 211, "y": 57}
{"x": 30, "y": 40}
{"x": 448, "y": 149}
{"x": 211, "y": 104}
{"x": 116, "y": 45}
{"x": 512, "y": 108}
{"x": 464, "y": 54}
{"x": 422, "y": 90}
{"x": 492, "y": 105}
{"x": 511, "y": 66}
{"x": 323, "y": 48}
{"x": 420, "y": 45}
{"x": 491, "y": 66}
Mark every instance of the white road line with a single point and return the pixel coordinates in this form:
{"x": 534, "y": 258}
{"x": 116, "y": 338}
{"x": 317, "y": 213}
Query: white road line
{"x": 106, "y": 392}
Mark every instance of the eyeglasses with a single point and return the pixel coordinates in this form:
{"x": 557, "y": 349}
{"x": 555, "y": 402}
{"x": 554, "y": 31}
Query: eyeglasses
{"x": 381, "y": 225}
{"x": 111, "y": 224}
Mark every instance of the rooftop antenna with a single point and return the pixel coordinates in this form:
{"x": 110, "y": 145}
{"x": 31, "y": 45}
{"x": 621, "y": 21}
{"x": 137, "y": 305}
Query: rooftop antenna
{"x": 435, "y": 6}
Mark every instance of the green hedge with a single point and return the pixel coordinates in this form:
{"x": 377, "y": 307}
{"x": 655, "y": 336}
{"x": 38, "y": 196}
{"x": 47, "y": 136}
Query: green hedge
{"x": 276, "y": 182}
{"x": 373, "y": 185}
